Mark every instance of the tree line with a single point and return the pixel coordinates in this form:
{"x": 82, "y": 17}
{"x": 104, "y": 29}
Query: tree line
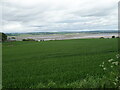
{"x": 3, "y": 37}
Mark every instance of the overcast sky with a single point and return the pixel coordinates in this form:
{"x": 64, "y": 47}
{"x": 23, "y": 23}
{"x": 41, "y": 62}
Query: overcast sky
{"x": 58, "y": 15}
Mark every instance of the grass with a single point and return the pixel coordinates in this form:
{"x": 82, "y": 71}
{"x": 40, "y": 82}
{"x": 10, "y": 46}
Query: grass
{"x": 64, "y": 63}
{"x": 0, "y": 65}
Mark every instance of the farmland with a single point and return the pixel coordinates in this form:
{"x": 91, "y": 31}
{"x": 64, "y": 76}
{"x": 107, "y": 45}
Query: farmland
{"x": 61, "y": 36}
{"x": 59, "y": 63}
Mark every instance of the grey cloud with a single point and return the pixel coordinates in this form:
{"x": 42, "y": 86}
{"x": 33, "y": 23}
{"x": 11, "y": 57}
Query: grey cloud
{"x": 48, "y": 16}
{"x": 98, "y": 11}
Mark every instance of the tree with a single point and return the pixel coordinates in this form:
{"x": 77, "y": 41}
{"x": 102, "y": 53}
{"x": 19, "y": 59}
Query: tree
{"x": 113, "y": 36}
{"x": 12, "y": 37}
{"x": 4, "y": 37}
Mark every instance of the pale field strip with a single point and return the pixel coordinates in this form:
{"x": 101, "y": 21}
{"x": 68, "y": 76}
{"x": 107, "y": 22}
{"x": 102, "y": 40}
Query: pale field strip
{"x": 65, "y": 36}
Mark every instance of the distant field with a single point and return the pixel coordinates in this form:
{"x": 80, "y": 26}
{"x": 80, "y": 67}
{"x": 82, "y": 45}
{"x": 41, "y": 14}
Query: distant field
{"x": 63, "y": 36}
{"x": 54, "y": 63}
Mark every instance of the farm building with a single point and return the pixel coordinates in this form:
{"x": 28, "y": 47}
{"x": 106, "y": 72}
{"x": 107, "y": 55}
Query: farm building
{"x": 45, "y": 40}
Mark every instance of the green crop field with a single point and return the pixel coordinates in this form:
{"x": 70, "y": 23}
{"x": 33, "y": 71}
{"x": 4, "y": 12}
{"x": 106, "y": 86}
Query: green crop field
{"x": 62, "y": 63}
